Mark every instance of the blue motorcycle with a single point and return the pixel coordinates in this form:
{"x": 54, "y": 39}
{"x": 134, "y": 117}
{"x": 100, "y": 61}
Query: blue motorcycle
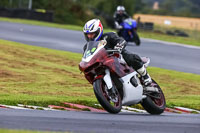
{"x": 129, "y": 31}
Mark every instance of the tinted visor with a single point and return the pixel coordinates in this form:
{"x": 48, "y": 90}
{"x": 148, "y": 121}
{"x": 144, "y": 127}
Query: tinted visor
{"x": 95, "y": 36}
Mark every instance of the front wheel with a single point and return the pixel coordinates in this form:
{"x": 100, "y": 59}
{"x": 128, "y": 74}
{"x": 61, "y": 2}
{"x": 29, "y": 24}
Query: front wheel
{"x": 136, "y": 38}
{"x": 155, "y": 101}
{"x": 110, "y": 102}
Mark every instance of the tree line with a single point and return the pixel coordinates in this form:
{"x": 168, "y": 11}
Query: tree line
{"x": 79, "y": 11}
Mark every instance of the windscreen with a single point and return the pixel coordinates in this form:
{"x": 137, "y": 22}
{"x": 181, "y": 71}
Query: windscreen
{"x": 92, "y": 46}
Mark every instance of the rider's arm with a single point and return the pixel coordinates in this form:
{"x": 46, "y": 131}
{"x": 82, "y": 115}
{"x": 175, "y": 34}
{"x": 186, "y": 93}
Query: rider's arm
{"x": 126, "y": 15}
{"x": 117, "y": 26}
{"x": 117, "y": 42}
{"x": 116, "y": 19}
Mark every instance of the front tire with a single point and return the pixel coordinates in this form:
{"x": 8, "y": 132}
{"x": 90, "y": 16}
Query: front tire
{"x": 101, "y": 95}
{"x": 155, "y": 102}
{"x": 136, "y": 38}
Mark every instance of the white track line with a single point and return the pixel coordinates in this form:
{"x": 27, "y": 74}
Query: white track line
{"x": 187, "y": 109}
{"x": 14, "y": 107}
{"x": 133, "y": 109}
{"x": 35, "y": 107}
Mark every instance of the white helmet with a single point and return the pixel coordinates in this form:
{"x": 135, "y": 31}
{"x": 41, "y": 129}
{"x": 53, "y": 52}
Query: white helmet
{"x": 120, "y": 8}
{"x": 93, "y": 26}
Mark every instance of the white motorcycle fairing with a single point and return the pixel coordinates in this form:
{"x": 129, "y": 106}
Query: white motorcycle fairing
{"x": 132, "y": 95}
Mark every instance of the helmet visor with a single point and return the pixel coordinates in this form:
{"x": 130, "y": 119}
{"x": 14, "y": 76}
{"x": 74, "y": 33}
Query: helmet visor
{"x": 92, "y": 36}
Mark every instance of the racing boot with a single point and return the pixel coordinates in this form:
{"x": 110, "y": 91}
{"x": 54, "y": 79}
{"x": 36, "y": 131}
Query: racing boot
{"x": 146, "y": 80}
{"x": 145, "y": 76}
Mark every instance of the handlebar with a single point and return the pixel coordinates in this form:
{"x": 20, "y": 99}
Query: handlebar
{"x": 112, "y": 50}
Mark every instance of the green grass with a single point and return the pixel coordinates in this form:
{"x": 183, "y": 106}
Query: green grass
{"x": 163, "y": 37}
{"x": 41, "y": 23}
{"x": 181, "y": 89}
{"x": 189, "y": 41}
{"x": 39, "y": 76}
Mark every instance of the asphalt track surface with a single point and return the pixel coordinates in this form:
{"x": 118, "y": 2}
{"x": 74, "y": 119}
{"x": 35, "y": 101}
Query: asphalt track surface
{"x": 168, "y": 56}
{"x": 91, "y": 122}
{"x": 162, "y": 54}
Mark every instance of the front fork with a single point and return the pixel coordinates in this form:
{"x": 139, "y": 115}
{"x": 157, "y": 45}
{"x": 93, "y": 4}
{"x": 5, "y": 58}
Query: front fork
{"x": 111, "y": 92}
{"x": 107, "y": 79}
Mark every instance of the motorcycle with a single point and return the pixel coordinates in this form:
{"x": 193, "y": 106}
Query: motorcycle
{"x": 115, "y": 83}
{"x": 129, "y": 31}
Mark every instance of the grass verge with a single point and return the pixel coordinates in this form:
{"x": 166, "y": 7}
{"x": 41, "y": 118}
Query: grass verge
{"x": 145, "y": 34}
{"x": 33, "y": 75}
{"x": 41, "y": 23}
{"x": 163, "y": 37}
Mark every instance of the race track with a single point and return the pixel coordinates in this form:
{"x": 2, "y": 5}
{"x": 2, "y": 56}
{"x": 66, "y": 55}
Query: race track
{"x": 91, "y": 122}
{"x": 162, "y": 54}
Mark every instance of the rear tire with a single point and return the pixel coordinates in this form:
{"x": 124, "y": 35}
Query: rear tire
{"x": 155, "y": 105}
{"x": 101, "y": 95}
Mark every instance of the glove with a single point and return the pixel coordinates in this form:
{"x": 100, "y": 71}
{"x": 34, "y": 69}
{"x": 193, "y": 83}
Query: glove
{"x": 119, "y": 27}
{"x": 119, "y": 46}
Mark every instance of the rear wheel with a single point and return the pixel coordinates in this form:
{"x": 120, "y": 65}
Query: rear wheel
{"x": 155, "y": 101}
{"x": 110, "y": 101}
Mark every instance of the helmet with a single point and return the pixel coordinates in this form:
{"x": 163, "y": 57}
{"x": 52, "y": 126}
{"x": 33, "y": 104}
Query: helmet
{"x": 120, "y": 8}
{"x": 93, "y": 26}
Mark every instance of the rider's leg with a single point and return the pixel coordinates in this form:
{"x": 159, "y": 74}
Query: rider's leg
{"x": 136, "y": 62}
{"x": 146, "y": 77}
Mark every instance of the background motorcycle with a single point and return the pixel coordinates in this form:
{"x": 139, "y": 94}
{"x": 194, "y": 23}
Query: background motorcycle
{"x": 115, "y": 83}
{"x": 129, "y": 31}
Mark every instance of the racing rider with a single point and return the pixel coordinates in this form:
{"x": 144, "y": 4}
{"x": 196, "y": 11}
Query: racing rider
{"x": 93, "y": 31}
{"x": 119, "y": 16}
